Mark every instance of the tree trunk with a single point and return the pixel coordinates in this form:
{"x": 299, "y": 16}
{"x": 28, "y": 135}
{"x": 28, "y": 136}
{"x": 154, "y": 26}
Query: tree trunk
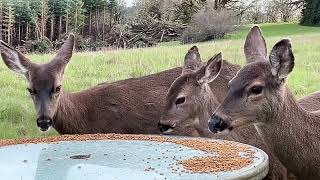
{"x": 97, "y": 23}
{"x": 42, "y": 20}
{"x": 90, "y": 22}
{"x": 38, "y": 29}
{"x": 52, "y": 24}
{"x": 67, "y": 17}
{"x": 10, "y": 23}
{"x": 27, "y": 32}
{"x": 76, "y": 23}
{"x": 103, "y": 23}
{"x": 110, "y": 23}
{"x": 19, "y": 32}
{"x": 60, "y": 25}
{"x": 1, "y": 21}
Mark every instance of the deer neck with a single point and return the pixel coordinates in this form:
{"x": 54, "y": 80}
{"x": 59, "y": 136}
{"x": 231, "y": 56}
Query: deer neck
{"x": 209, "y": 104}
{"x": 293, "y": 134}
{"x": 70, "y": 115}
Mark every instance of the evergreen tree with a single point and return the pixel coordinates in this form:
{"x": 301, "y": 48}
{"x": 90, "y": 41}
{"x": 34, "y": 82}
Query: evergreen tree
{"x": 311, "y": 13}
{"x": 8, "y": 20}
{"x": 75, "y": 15}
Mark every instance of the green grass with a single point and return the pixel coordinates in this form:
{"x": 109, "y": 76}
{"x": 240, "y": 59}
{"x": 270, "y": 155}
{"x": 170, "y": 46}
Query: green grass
{"x": 17, "y": 115}
{"x": 276, "y": 30}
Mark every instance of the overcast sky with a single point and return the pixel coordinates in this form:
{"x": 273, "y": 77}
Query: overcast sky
{"x": 129, "y": 2}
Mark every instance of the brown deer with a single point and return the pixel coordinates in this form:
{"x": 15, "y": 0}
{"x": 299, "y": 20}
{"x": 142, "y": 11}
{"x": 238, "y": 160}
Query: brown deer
{"x": 190, "y": 99}
{"x": 127, "y": 106}
{"x": 190, "y": 102}
{"x": 258, "y": 95}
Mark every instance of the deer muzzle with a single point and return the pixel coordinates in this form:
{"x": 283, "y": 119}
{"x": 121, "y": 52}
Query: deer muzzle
{"x": 44, "y": 123}
{"x": 217, "y": 124}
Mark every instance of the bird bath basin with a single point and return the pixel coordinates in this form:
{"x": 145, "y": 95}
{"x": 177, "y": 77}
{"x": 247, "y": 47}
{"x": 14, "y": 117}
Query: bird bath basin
{"x": 103, "y": 157}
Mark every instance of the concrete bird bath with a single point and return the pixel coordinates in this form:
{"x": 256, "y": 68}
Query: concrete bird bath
{"x": 83, "y": 158}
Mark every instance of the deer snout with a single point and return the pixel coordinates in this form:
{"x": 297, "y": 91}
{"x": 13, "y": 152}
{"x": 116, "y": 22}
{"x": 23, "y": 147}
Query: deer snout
{"x": 217, "y": 124}
{"x": 44, "y": 123}
{"x": 166, "y": 126}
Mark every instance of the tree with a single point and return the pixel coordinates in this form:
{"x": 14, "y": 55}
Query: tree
{"x": 210, "y": 23}
{"x": 149, "y": 9}
{"x": 311, "y": 13}
{"x": 287, "y": 8}
{"x": 187, "y": 9}
{"x": 75, "y": 12}
{"x": 8, "y": 19}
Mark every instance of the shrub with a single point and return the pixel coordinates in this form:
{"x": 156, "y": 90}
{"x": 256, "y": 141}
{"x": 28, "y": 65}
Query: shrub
{"x": 210, "y": 24}
{"x": 42, "y": 45}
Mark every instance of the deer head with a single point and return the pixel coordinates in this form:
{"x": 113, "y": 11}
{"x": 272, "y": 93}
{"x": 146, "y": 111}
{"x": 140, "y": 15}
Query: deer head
{"x": 190, "y": 94}
{"x": 45, "y": 80}
{"x": 256, "y": 93}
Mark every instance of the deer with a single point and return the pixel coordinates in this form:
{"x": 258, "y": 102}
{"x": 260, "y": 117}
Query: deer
{"x": 126, "y": 106}
{"x": 258, "y": 95}
{"x": 131, "y": 106}
{"x": 191, "y": 100}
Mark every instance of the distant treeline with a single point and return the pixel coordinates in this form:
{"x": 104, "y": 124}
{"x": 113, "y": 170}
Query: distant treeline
{"x": 41, "y": 25}
{"x": 49, "y": 20}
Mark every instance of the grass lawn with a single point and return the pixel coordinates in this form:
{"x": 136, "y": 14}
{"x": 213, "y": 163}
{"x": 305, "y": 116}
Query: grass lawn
{"x": 17, "y": 114}
{"x": 279, "y": 29}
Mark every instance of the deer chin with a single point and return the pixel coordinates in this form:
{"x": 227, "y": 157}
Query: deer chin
{"x": 168, "y": 131}
{"x": 240, "y": 122}
{"x": 191, "y": 122}
{"x": 44, "y": 130}
{"x": 224, "y": 132}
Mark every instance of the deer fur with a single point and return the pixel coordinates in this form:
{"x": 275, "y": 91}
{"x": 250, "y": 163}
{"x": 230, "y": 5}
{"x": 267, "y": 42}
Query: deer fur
{"x": 190, "y": 118}
{"x": 258, "y": 95}
{"x": 127, "y": 106}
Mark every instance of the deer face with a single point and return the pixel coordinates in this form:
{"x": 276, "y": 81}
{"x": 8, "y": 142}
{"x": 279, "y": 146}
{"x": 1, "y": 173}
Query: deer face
{"x": 256, "y": 93}
{"x": 45, "y": 81}
{"x": 189, "y": 96}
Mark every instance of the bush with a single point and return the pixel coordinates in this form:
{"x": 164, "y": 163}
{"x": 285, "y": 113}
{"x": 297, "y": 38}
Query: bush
{"x": 43, "y": 45}
{"x": 210, "y": 24}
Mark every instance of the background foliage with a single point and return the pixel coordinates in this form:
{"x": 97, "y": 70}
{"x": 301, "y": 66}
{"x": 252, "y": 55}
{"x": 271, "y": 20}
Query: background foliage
{"x": 41, "y": 25}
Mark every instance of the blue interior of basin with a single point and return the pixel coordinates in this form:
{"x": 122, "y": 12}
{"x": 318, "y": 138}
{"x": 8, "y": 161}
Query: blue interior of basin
{"x": 108, "y": 159}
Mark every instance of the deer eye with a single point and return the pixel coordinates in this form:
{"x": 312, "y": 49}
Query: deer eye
{"x": 256, "y": 90}
{"x": 58, "y": 89}
{"x": 32, "y": 92}
{"x": 180, "y": 100}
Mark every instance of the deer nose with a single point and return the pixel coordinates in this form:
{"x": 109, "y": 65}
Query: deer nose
{"x": 44, "y": 122}
{"x": 216, "y": 124}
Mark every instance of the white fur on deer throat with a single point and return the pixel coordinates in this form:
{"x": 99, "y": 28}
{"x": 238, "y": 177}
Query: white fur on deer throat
{"x": 258, "y": 129}
{"x": 45, "y": 132}
{"x": 168, "y": 131}
{"x": 192, "y": 122}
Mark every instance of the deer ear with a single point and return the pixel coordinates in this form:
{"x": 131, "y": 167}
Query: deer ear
{"x": 255, "y": 48}
{"x": 65, "y": 52}
{"x": 14, "y": 60}
{"x": 211, "y": 71}
{"x": 192, "y": 60}
{"x": 282, "y": 59}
